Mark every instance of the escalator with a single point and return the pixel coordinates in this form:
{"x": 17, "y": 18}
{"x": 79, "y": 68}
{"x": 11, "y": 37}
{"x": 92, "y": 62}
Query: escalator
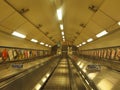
{"x": 64, "y": 78}
{"x": 60, "y": 78}
{"x": 28, "y": 80}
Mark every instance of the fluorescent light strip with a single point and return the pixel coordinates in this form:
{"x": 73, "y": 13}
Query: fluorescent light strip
{"x": 102, "y": 33}
{"x": 63, "y": 37}
{"x": 42, "y": 43}
{"x": 34, "y": 40}
{"x": 61, "y": 26}
{"x": 38, "y": 86}
{"x": 77, "y": 45}
{"x": 49, "y": 45}
{"x": 119, "y": 23}
{"x": 84, "y": 43}
{"x": 62, "y": 33}
{"x": 59, "y": 14}
{"x": 80, "y": 44}
{"x": 64, "y": 40}
{"x": 90, "y": 40}
{"x": 46, "y": 45}
{"x": 18, "y": 34}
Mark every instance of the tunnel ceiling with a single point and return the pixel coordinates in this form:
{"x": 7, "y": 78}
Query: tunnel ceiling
{"x": 82, "y": 19}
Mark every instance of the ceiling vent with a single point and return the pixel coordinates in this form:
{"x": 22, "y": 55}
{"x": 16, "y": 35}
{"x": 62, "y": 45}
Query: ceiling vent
{"x": 46, "y": 33}
{"x": 23, "y": 10}
{"x": 93, "y": 8}
{"x": 39, "y": 26}
{"x": 78, "y": 33}
{"x": 50, "y": 37}
{"x": 83, "y": 25}
{"x": 75, "y": 37}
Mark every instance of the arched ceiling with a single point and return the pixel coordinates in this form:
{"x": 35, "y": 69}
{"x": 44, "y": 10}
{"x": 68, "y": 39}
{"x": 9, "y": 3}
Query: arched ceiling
{"x": 82, "y": 19}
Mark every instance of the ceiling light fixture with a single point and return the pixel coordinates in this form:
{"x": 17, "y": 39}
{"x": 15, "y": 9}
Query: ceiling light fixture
{"x": 63, "y": 40}
{"x": 62, "y": 33}
{"x": 102, "y": 33}
{"x": 61, "y": 26}
{"x": 84, "y": 43}
{"x": 63, "y": 37}
{"x": 77, "y": 45}
{"x": 119, "y": 23}
{"x": 59, "y": 14}
{"x": 90, "y": 40}
{"x": 49, "y": 45}
{"x": 18, "y": 34}
{"x": 46, "y": 44}
{"x": 42, "y": 43}
{"x": 34, "y": 40}
{"x": 80, "y": 44}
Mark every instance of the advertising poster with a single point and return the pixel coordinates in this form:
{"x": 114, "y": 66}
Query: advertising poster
{"x": 5, "y": 56}
{"x": 10, "y": 52}
{"x": 30, "y": 53}
{"x": 1, "y": 55}
{"x": 15, "y": 54}
{"x": 94, "y": 53}
{"x": 101, "y": 55}
{"x": 105, "y": 53}
{"x": 113, "y": 53}
{"x": 117, "y": 57}
{"x": 25, "y": 54}
{"x": 108, "y": 53}
{"x": 41, "y": 53}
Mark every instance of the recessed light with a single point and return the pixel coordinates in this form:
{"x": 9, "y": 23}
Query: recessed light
{"x": 18, "y": 34}
{"x": 42, "y": 43}
{"x": 102, "y": 33}
{"x": 90, "y": 40}
{"x": 84, "y": 43}
{"x": 59, "y": 14}
{"x": 34, "y": 40}
{"x": 61, "y": 26}
{"x": 119, "y": 23}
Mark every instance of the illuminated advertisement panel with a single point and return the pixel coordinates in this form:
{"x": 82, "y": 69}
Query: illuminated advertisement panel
{"x": 117, "y": 57}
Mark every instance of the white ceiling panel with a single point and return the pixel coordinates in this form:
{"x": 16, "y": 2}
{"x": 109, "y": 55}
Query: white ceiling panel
{"x": 39, "y": 20}
{"x": 6, "y": 11}
{"x": 103, "y": 20}
{"x": 112, "y": 8}
{"x": 13, "y": 22}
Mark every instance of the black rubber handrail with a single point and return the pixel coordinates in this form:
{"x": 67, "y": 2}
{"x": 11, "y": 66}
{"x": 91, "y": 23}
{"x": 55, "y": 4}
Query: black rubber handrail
{"x": 52, "y": 71}
{"x": 8, "y": 77}
{"x": 91, "y": 83}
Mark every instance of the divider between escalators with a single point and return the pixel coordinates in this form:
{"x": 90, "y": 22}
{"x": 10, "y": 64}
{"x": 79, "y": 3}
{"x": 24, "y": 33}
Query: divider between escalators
{"x": 71, "y": 77}
{"x": 41, "y": 84}
{"x": 25, "y": 71}
{"x": 88, "y": 83}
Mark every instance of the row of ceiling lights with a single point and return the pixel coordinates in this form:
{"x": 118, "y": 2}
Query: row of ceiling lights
{"x": 91, "y": 39}
{"x": 24, "y": 36}
{"x": 59, "y": 15}
{"x": 98, "y": 35}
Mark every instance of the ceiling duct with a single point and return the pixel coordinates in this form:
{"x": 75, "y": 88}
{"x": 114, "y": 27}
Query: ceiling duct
{"x": 93, "y": 8}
